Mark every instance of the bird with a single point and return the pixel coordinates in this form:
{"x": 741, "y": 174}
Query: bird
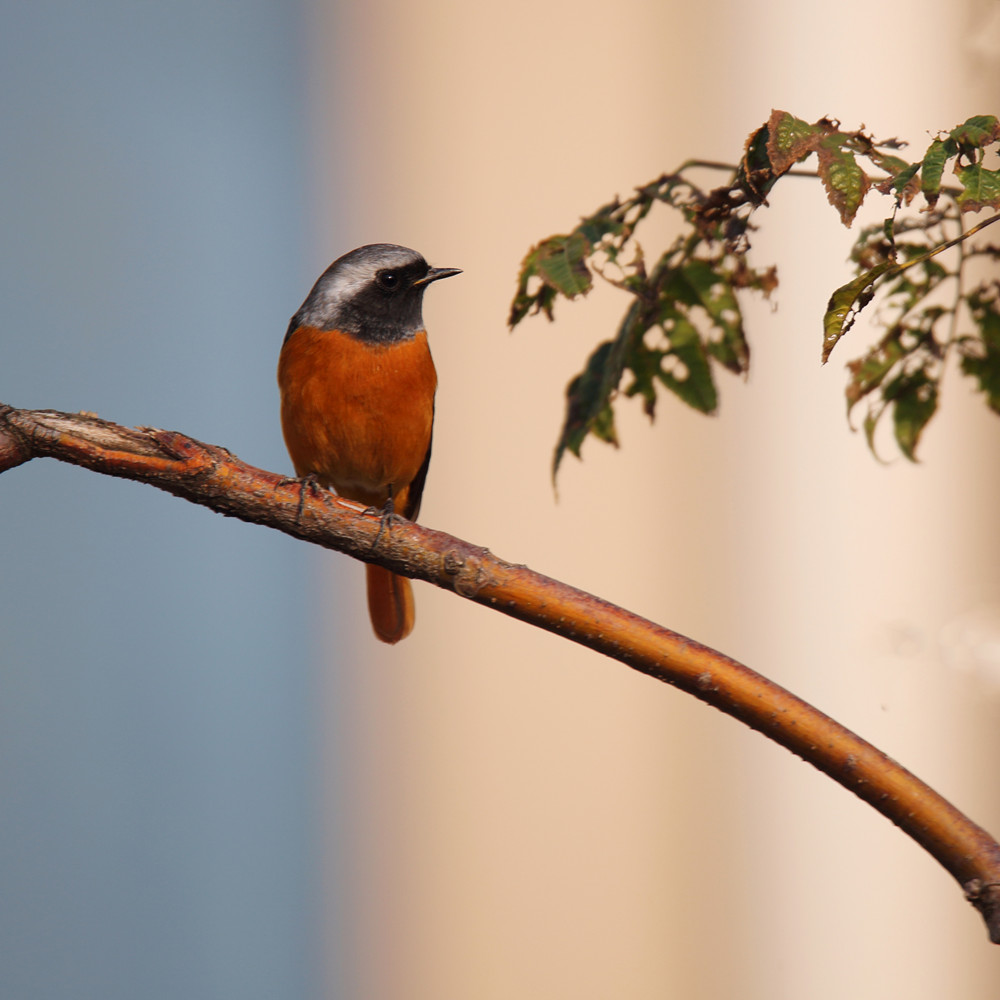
{"x": 357, "y": 386}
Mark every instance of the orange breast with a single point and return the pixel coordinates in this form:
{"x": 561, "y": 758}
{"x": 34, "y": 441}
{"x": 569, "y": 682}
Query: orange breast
{"x": 356, "y": 415}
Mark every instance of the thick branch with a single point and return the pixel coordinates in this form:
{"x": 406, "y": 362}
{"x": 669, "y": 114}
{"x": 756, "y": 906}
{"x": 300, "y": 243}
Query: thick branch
{"x": 211, "y": 476}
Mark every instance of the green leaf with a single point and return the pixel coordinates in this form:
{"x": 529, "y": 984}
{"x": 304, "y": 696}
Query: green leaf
{"x": 845, "y": 304}
{"x": 976, "y": 132}
{"x": 560, "y": 262}
{"x": 892, "y": 165}
{"x": 701, "y": 277}
{"x": 868, "y": 372}
{"x": 588, "y": 406}
{"x": 932, "y": 167}
{"x": 602, "y": 223}
{"x": 901, "y": 181}
{"x": 715, "y": 294}
{"x": 560, "y": 265}
{"x": 643, "y": 364}
{"x": 589, "y": 395}
{"x": 845, "y": 182}
{"x": 871, "y": 422}
{"x": 914, "y": 397}
{"x": 986, "y": 371}
{"x": 984, "y": 364}
{"x": 980, "y": 188}
{"x": 695, "y": 385}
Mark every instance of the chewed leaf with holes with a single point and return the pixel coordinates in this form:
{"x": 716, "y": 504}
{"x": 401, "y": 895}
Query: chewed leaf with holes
{"x": 683, "y": 366}
{"x": 559, "y": 265}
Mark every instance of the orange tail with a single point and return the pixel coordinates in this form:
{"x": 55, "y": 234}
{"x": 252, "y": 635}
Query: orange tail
{"x": 390, "y": 604}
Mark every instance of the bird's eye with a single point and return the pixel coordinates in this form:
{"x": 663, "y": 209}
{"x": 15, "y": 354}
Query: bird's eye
{"x": 389, "y": 280}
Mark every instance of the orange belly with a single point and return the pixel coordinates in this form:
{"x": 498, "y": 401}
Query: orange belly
{"x": 358, "y": 416}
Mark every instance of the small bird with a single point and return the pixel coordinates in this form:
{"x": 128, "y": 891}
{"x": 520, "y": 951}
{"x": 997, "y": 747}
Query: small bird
{"x": 357, "y": 390}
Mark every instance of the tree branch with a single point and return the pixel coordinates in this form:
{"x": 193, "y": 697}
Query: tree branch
{"x": 211, "y": 476}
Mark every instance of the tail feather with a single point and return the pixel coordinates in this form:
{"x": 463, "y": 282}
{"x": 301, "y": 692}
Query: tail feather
{"x": 390, "y": 604}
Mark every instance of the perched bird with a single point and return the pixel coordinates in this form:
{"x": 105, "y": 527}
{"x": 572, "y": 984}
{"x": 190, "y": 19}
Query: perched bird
{"x": 357, "y": 396}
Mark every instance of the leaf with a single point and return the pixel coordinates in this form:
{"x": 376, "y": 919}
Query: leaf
{"x": 715, "y": 294}
{"x": 846, "y": 302}
{"x": 695, "y": 386}
{"x": 755, "y": 175}
{"x": 932, "y": 167}
{"x": 903, "y": 182}
{"x": 871, "y": 422}
{"x": 975, "y": 133}
{"x": 602, "y": 223}
{"x": 560, "y": 265}
{"x": 986, "y": 371}
{"x": 560, "y": 262}
{"x": 913, "y": 396}
{"x": 643, "y": 364}
{"x": 984, "y": 365}
{"x": 790, "y": 139}
{"x": 845, "y": 182}
{"x": 589, "y": 395}
{"x": 868, "y": 372}
{"x": 588, "y": 405}
{"x": 892, "y": 165}
{"x": 980, "y": 188}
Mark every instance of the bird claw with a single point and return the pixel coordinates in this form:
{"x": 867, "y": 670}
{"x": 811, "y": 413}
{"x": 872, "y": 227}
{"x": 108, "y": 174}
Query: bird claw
{"x": 308, "y": 482}
{"x": 386, "y": 515}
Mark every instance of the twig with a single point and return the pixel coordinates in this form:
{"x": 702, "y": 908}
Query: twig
{"x": 211, "y": 476}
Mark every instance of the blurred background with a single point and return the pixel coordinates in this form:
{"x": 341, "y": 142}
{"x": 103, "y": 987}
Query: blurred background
{"x": 214, "y": 782}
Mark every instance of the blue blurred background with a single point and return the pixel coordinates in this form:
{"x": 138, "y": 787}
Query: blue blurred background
{"x": 158, "y": 832}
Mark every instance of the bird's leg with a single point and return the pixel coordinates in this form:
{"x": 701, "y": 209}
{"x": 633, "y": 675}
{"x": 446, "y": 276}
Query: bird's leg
{"x": 307, "y": 482}
{"x": 386, "y": 513}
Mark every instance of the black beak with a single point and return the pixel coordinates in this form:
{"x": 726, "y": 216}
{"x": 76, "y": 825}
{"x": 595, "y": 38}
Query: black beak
{"x": 437, "y": 272}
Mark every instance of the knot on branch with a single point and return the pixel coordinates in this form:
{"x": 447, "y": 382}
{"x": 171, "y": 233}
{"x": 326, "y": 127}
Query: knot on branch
{"x": 466, "y": 569}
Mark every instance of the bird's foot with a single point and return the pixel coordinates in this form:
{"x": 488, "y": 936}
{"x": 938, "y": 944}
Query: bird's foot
{"x": 308, "y": 483}
{"x": 386, "y": 515}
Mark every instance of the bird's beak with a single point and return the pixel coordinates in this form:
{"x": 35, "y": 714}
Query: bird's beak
{"x": 437, "y": 272}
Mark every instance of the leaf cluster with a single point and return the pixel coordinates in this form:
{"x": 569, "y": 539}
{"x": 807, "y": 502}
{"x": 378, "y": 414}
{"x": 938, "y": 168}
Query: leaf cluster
{"x": 684, "y": 320}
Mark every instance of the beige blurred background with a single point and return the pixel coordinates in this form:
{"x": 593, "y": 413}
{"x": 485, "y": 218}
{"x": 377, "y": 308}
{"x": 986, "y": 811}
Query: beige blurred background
{"x": 528, "y": 819}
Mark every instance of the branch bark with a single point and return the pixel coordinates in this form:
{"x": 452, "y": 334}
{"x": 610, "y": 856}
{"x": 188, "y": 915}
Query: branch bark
{"x": 213, "y": 477}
